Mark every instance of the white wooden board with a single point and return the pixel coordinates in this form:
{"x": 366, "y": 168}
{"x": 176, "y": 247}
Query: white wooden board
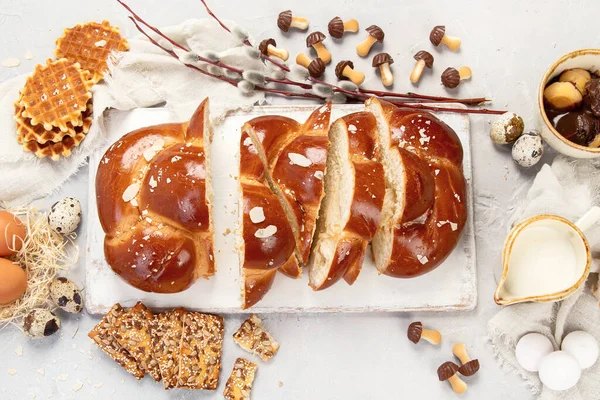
{"x": 451, "y": 287}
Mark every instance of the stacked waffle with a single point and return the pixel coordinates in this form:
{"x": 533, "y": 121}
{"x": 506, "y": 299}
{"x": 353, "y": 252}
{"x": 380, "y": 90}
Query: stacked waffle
{"x": 54, "y": 110}
{"x": 181, "y": 348}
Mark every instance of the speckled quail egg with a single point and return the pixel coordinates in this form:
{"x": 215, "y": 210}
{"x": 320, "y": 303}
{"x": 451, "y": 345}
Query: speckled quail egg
{"x": 559, "y": 371}
{"x": 582, "y": 346}
{"x": 40, "y": 323}
{"x": 66, "y": 295}
{"x": 528, "y": 149}
{"x": 531, "y": 349}
{"x": 507, "y": 128}
{"x": 65, "y": 216}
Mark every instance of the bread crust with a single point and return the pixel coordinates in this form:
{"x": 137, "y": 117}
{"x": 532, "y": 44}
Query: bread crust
{"x": 368, "y": 193}
{"x": 435, "y": 209}
{"x": 154, "y": 203}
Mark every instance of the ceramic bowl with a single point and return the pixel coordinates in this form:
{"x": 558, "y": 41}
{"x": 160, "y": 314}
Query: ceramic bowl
{"x": 536, "y": 284}
{"x": 588, "y": 59}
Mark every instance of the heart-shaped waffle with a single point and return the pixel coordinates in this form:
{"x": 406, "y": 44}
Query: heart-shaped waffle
{"x": 27, "y": 132}
{"x": 56, "y": 94}
{"x": 90, "y": 45}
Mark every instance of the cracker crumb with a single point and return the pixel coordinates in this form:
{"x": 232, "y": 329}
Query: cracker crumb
{"x": 11, "y": 62}
{"x": 28, "y": 55}
{"x": 41, "y": 371}
{"x": 12, "y": 371}
{"x": 77, "y": 387}
{"x": 280, "y": 384}
{"x": 19, "y": 350}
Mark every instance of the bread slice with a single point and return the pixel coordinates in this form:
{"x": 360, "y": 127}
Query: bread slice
{"x": 424, "y": 209}
{"x": 133, "y": 331}
{"x": 252, "y": 337}
{"x": 201, "y": 348}
{"x": 108, "y": 343}
{"x": 354, "y": 196}
{"x": 240, "y": 381}
{"x": 166, "y": 341}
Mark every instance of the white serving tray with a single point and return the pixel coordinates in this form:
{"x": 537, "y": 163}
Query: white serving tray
{"x": 451, "y": 287}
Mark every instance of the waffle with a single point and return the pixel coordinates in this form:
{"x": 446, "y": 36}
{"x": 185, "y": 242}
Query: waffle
{"x": 56, "y": 94}
{"x": 27, "y": 132}
{"x": 90, "y": 45}
{"x": 54, "y": 150}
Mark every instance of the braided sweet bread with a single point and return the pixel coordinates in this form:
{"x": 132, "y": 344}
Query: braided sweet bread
{"x": 154, "y": 193}
{"x": 425, "y": 208}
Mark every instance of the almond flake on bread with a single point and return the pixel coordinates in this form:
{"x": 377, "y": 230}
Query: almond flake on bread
{"x": 252, "y": 337}
{"x": 100, "y": 334}
{"x": 239, "y": 384}
{"x": 133, "y": 331}
{"x": 201, "y": 348}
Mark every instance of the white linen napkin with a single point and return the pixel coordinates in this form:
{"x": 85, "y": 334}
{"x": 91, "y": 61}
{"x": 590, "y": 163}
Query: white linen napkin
{"x": 142, "y": 77}
{"x": 569, "y": 188}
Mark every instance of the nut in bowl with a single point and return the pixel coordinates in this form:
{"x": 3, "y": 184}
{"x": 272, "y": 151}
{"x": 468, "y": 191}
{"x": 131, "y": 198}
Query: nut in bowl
{"x": 568, "y": 129}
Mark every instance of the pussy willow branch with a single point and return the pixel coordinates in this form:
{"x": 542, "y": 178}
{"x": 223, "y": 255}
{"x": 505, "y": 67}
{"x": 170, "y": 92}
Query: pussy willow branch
{"x": 222, "y": 78}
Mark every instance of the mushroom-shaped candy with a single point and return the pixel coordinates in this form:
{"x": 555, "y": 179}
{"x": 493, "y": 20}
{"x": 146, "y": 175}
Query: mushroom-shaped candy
{"x": 345, "y": 70}
{"x": 469, "y": 367}
{"x": 337, "y": 27}
{"x": 593, "y": 96}
{"x": 267, "y": 47}
{"x": 451, "y": 77}
{"x": 447, "y": 372}
{"x": 578, "y": 77}
{"x": 416, "y": 332}
{"x": 383, "y": 61}
{"x": 315, "y": 40}
{"x": 438, "y": 35}
{"x": 375, "y": 35}
{"x": 286, "y": 20}
{"x": 562, "y": 96}
{"x": 316, "y": 67}
{"x": 424, "y": 59}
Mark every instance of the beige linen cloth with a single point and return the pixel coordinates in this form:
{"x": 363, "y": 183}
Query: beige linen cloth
{"x": 568, "y": 188}
{"x": 142, "y": 77}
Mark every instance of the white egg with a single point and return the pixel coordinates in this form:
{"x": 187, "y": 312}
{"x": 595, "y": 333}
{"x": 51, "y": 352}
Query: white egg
{"x": 559, "y": 371}
{"x": 530, "y": 350}
{"x": 582, "y": 346}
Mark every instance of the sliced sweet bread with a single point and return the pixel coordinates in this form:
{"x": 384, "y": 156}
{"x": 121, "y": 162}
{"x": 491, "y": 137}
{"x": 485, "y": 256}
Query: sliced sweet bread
{"x": 354, "y": 195}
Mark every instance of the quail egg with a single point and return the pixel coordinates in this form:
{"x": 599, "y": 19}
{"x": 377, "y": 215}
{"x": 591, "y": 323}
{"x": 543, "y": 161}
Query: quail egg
{"x": 528, "y": 149}
{"x": 582, "y": 346}
{"x": 507, "y": 128}
{"x": 559, "y": 371}
{"x": 65, "y": 216}
{"x": 531, "y": 349}
{"x": 66, "y": 295}
{"x": 40, "y": 323}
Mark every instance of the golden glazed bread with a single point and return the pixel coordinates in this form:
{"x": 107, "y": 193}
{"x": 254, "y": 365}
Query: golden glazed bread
{"x": 154, "y": 202}
{"x": 282, "y": 164}
{"x": 425, "y": 208}
{"x": 354, "y": 194}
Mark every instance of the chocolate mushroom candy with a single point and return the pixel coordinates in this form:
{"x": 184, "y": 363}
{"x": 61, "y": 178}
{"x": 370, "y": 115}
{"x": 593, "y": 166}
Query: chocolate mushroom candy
{"x": 337, "y": 27}
{"x": 345, "y": 70}
{"x": 562, "y": 96}
{"x": 578, "y": 77}
{"x": 316, "y": 67}
{"x": 315, "y": 40}
{"x": 268, "y": 48}
{"x": 416, "y": 332}
{"x": 383, "y": 62}
{"x": 587, "y": 129}
{"x": 286, "y": 20}
{"x": 592, "y": 99}
{"x": 469, "y": 367}
{"x": 424, "y": 59}
{"x": 438, "y": 35}
{"x": 451, "y": 77}
{"x": 375, "y": 35}
{"x": 447, "y": 372}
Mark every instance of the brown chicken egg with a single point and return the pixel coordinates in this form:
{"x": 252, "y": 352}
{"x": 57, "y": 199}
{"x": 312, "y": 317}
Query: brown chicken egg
{"x": 12, "y": 234}
{"x": 13, "y": 281}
